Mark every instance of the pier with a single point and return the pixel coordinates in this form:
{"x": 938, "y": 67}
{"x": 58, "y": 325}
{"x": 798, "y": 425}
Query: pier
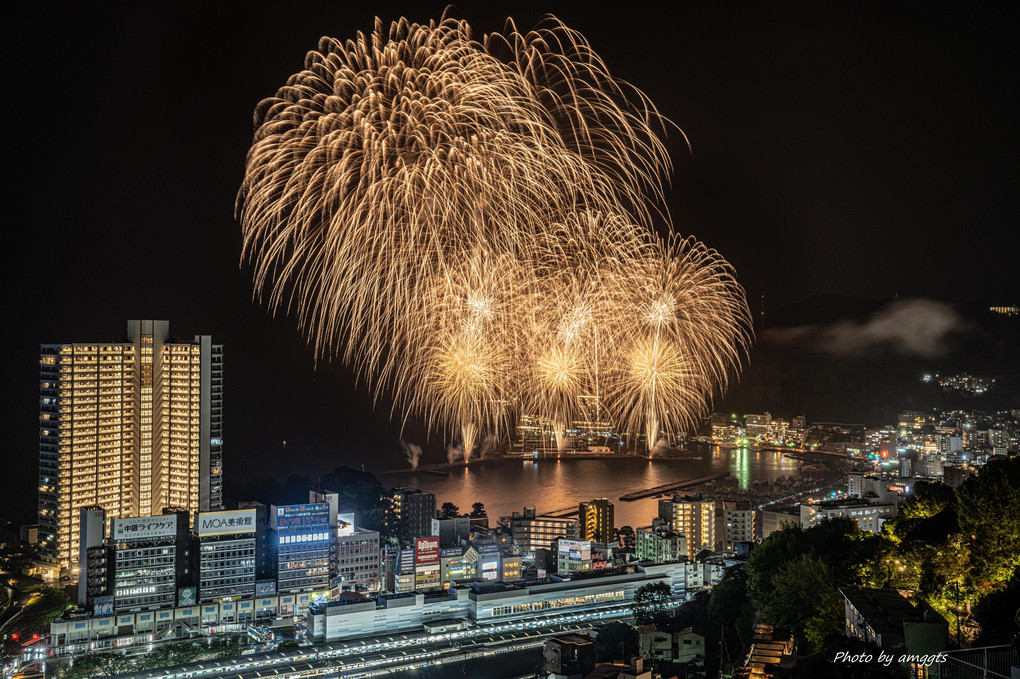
{"x": 669, "y": 487}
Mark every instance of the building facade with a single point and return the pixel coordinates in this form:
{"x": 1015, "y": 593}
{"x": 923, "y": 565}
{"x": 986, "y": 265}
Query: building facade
{"x": 302, "y": 543}
{"x": 226, "y": 554}
{"x": 410, "y": 513}
{"x": 531, "y": 532}
{"x": 692, "y": 516}
{"x": 596, "y": 521}
{"x": 132, "y": 427}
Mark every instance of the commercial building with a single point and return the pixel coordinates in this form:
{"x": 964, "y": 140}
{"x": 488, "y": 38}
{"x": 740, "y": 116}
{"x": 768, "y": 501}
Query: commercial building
{"x": 410, "y": 513}
{"x": 658, "y": 544}
{"x": 573, "y": 556}
{"x": 482, "y": 602}
{"x": 531, "y": 532}
{"x": 596, "y": 520}
{"x": 869, "y": 517}
{"x": 77, "y": 633}
{"x": 226, "y": 555}
{"x": 451, "y": 531}
{"x": 146, "y": 560}
{"x": 302, "y": 538}
{"x": 427, "y": 563}
{"x": 359, "y": 561}
{"x": 132, "y": 427}
{"x": 692, "y": 516}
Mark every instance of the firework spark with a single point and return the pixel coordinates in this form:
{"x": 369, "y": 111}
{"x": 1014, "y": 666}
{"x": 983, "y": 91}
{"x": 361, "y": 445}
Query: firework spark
{"x": 469, "y": 223}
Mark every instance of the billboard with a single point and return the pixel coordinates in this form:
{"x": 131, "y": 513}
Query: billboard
{"x": 345, "y": 524}
{"x": 576, "y": 550}
{"x": 102, "y": 605}
{"x": 145, "y": 529}
{"x": 426, "y": 550}
{"x": 186, "y": 596}
{"x": 405, "y": 561}
{"x": 301, "y": 516}
{"x": 219, "y": 523}
{"x": 265, "y": 588}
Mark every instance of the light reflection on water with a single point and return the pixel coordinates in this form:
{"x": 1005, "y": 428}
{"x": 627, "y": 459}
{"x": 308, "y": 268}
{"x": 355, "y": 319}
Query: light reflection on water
{"x": 505, "y": 486}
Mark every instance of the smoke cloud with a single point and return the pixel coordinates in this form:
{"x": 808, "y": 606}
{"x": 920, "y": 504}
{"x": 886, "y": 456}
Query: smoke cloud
{"x": 454, "y": 453}
{"x": 914, "y": 327}
{"x": 412, "y": 452}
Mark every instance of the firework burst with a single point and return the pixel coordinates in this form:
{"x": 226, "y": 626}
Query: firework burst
{"x": 469, "y": 223}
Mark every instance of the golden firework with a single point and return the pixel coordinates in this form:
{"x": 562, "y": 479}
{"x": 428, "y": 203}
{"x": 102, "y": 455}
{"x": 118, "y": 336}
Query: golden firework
{"x": 469, "y": 223}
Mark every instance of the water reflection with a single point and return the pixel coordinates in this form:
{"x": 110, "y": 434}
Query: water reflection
{"x": 505, "y": 486}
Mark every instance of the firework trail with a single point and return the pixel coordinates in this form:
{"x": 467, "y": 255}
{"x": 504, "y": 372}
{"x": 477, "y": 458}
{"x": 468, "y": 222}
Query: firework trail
{"x": 469, "y": 223}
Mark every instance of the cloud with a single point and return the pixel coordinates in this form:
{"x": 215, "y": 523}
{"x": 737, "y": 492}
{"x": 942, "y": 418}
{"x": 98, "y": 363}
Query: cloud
{"x": 913, "y": 327}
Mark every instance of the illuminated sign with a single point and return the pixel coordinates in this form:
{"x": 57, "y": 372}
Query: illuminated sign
{"x": 219, "y": 523}
{"x": 345, "y": 524}
{"x": 426, "y": 550}
{"x": 576, "y": 550}
{"x": 304, "y": 537}
{"x": 405, "y": 561}
{"x": 186, "y": 596}
{"x": 300, "y": 516}
{"x": 265, "y": 588}
{"x": 145, "y": 529}
{"x": 102, "y": 605}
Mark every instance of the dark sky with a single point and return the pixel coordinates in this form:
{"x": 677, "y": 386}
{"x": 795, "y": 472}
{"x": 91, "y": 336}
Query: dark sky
{"x": 853, "y": 148}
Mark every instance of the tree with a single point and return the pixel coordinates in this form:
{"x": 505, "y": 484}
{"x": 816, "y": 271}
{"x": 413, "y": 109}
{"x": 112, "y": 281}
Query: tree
{"x": 988, "y": 505}
{"x": 478, "y": 511}
{"x": 650, "y": 601}
{"x": 928, "y": 499}
{"x": 616, "y": 641}
{"x": 449, "y": 511}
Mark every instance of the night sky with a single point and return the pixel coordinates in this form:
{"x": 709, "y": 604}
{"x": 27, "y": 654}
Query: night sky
{"x": 847, "y": 148}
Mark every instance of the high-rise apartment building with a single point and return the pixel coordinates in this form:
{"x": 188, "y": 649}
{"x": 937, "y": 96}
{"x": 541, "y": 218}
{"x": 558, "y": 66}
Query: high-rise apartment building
{"x": 692, "y": 516}
{"x": 596, "y": 520}
{"x": 132, "y": 427}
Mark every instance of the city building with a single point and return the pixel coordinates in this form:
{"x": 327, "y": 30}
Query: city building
{"x": 735, "y": 524}
{"x": 692, "y": 516}
{"x": 226, "y": 555}
{"x": 658, "y": 544}
{"x": 569, "y": 655}
{"x": 427, "y": 563}
{"x": 773, "y": 520}
{"x": 954, "y": 475}
{"x": 451, "y": 531}
{"x": 302, "y": 542}
{"x": 893, "y": 620}
{"x": 93, "y": 565}
{"x": 573, "y": 556}
{"x": 410, "y": 513}
{"x": 359, "y": 561}
{"x": 595, "y": 520}
{"x": 132, "y": 427}
{"x": 757, "y": 426}
{"x": 146, "y": 560}
{"x": 869, "y": 517}
{"x": 531, "y": 532}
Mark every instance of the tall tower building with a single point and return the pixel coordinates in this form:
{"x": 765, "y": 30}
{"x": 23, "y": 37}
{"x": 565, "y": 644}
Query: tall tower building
{"x": 133, "y": 427}
{"x": 596, "y": 520}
